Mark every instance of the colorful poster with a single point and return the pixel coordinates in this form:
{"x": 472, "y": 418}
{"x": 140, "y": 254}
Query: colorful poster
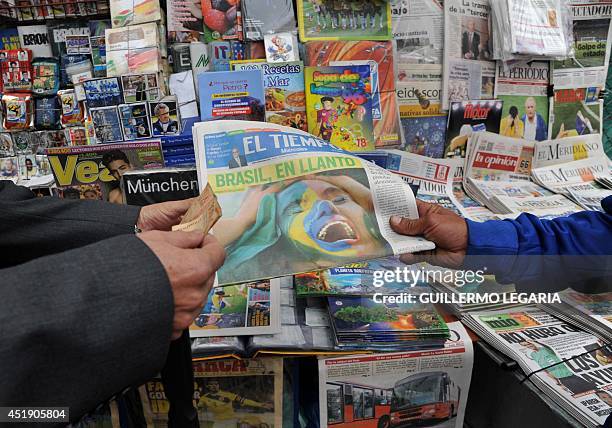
{"x": 339, "y": 106}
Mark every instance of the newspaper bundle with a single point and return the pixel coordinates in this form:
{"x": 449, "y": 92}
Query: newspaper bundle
{"x": 469, "y": 69}
{"x": 531, "y": 28}
{"x": 398, "y": 389}
{"x": 568, "y": 365}
{"x": 592, "y": 38}
{"x": 592, "y": 312}
{"x": 569, "y": 166}
{"x": 523, "y": 88}
{"x": 229, "y": 393}
{"x": 289, "y": 197}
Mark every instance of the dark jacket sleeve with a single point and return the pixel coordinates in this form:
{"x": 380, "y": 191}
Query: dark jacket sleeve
{"x": 546, "y": 255}
{"x": 80, "y": 326}
{"x": 32, "y": 227}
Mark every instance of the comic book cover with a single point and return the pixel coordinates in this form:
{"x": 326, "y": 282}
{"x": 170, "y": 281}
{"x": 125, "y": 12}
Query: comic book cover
{"x": 106, "y": 124}
{"x": 354, "y": 279}
{"x": 240, "y": 309}
{"x": 103, "y": 92}
{"x": 135, "y": 121}
{"x": 222, "y": 20}
{"x": 339, "y": 105}
{"x": 387, "y": 128}
{"x": 284, "y": 86}
{"x": 574, "y": 112}
{"x": 230, "y": 393}
{"x": 235, "y": 95}
{"x": 466, "y": 117}
{"x": 93, "y": 172}
{"x": 344, "y": 19}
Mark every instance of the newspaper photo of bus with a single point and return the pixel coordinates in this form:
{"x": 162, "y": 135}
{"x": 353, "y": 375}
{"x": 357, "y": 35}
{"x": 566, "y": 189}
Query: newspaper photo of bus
{"x": 425, "y": 399}
{"x": 402, "y": 389}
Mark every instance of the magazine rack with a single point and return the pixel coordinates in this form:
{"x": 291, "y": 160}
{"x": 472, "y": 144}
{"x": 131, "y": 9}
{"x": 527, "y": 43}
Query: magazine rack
{"x": 42, "y": 10}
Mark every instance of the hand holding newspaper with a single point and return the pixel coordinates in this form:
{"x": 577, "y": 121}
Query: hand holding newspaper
{"x": 293, "y": 203}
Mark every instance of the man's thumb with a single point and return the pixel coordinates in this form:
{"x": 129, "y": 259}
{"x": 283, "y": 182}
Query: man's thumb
{"x": 406, "y": 226}
{"x": 185, "y": 239}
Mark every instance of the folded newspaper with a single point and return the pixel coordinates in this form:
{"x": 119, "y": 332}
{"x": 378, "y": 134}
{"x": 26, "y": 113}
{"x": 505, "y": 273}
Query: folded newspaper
{"x": 568, "y": 365}
{"x": 293, "y": 203}
{"x": 399, "y": 389}
{"x": 593, "y": 312}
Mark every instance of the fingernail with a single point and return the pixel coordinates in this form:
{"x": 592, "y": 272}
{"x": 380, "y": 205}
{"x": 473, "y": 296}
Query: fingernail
{"x": 395, "y": 220}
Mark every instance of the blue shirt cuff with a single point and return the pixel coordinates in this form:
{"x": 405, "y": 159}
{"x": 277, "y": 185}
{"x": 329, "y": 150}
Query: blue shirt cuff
{"x": 492, "y": 238}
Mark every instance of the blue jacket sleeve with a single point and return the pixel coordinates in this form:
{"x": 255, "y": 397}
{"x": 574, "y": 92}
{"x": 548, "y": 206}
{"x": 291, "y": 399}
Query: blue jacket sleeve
{"x": 554, "y": 252}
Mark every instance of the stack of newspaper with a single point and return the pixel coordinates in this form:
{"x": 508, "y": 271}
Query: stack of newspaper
{"x": 497, "y": 172}
{"x": 469, "y": 294}
{"x": 531, "y": 28}
{"x": 568, "y": 365}
{"x": 570, "y": 166}
{"x": 592, "y": 312}
{"x": 398, "y": 389}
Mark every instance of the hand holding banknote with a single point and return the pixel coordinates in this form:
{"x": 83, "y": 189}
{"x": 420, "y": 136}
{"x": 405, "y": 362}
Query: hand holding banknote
{"x": 439, "y": 225}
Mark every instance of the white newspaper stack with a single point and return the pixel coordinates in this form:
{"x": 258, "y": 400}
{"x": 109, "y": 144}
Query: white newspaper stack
{"x": 567, "y": 364}
{"x": 592, "y": 312}
{"x": 569, "y": 166}
{"x": 531, "y": 28}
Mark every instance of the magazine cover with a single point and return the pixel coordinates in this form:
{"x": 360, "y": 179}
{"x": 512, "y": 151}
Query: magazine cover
{"x": 402, "y": 389}
{"x": 222, "y": 20}
{"x": 524, "y": 91}
{"x": 153, "y": 186}
{"x": 141, "y": 87}
{"x": 35, "y": 38}
{"x": 261, "y": 17}
{"x": 354, "y": 279}
{"x": 574, "y": 112}
{"x": 339, "y": 106}
{"x": 135, "y": 121}
{"x": 184, "y": 21}
{"x": 236, "y": 95}
{"x": 423, "y": 121}
{"x": 240, "y": 309}
{"x": 284, "y": 86}
{"x": 346, "y": 20}
{"x": 6, "y": 144}
{"x": 98, "y": 55}
{"x": 387, "y": 128}
{"x": 165, "y": 116}
{"x": 362, "y": 316}
{"x": 230, "y": 393}
{"x": 9, "y": 169}
{"x": 45, "y": 79}
{"x": 298, "y": 200}
{"x": 93, "y": 172}
{"x": 107, "y": 124}
{"x": 103, "y": 92}
{"x": 466, "y": 117}
{"x": 9, "y": 39}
